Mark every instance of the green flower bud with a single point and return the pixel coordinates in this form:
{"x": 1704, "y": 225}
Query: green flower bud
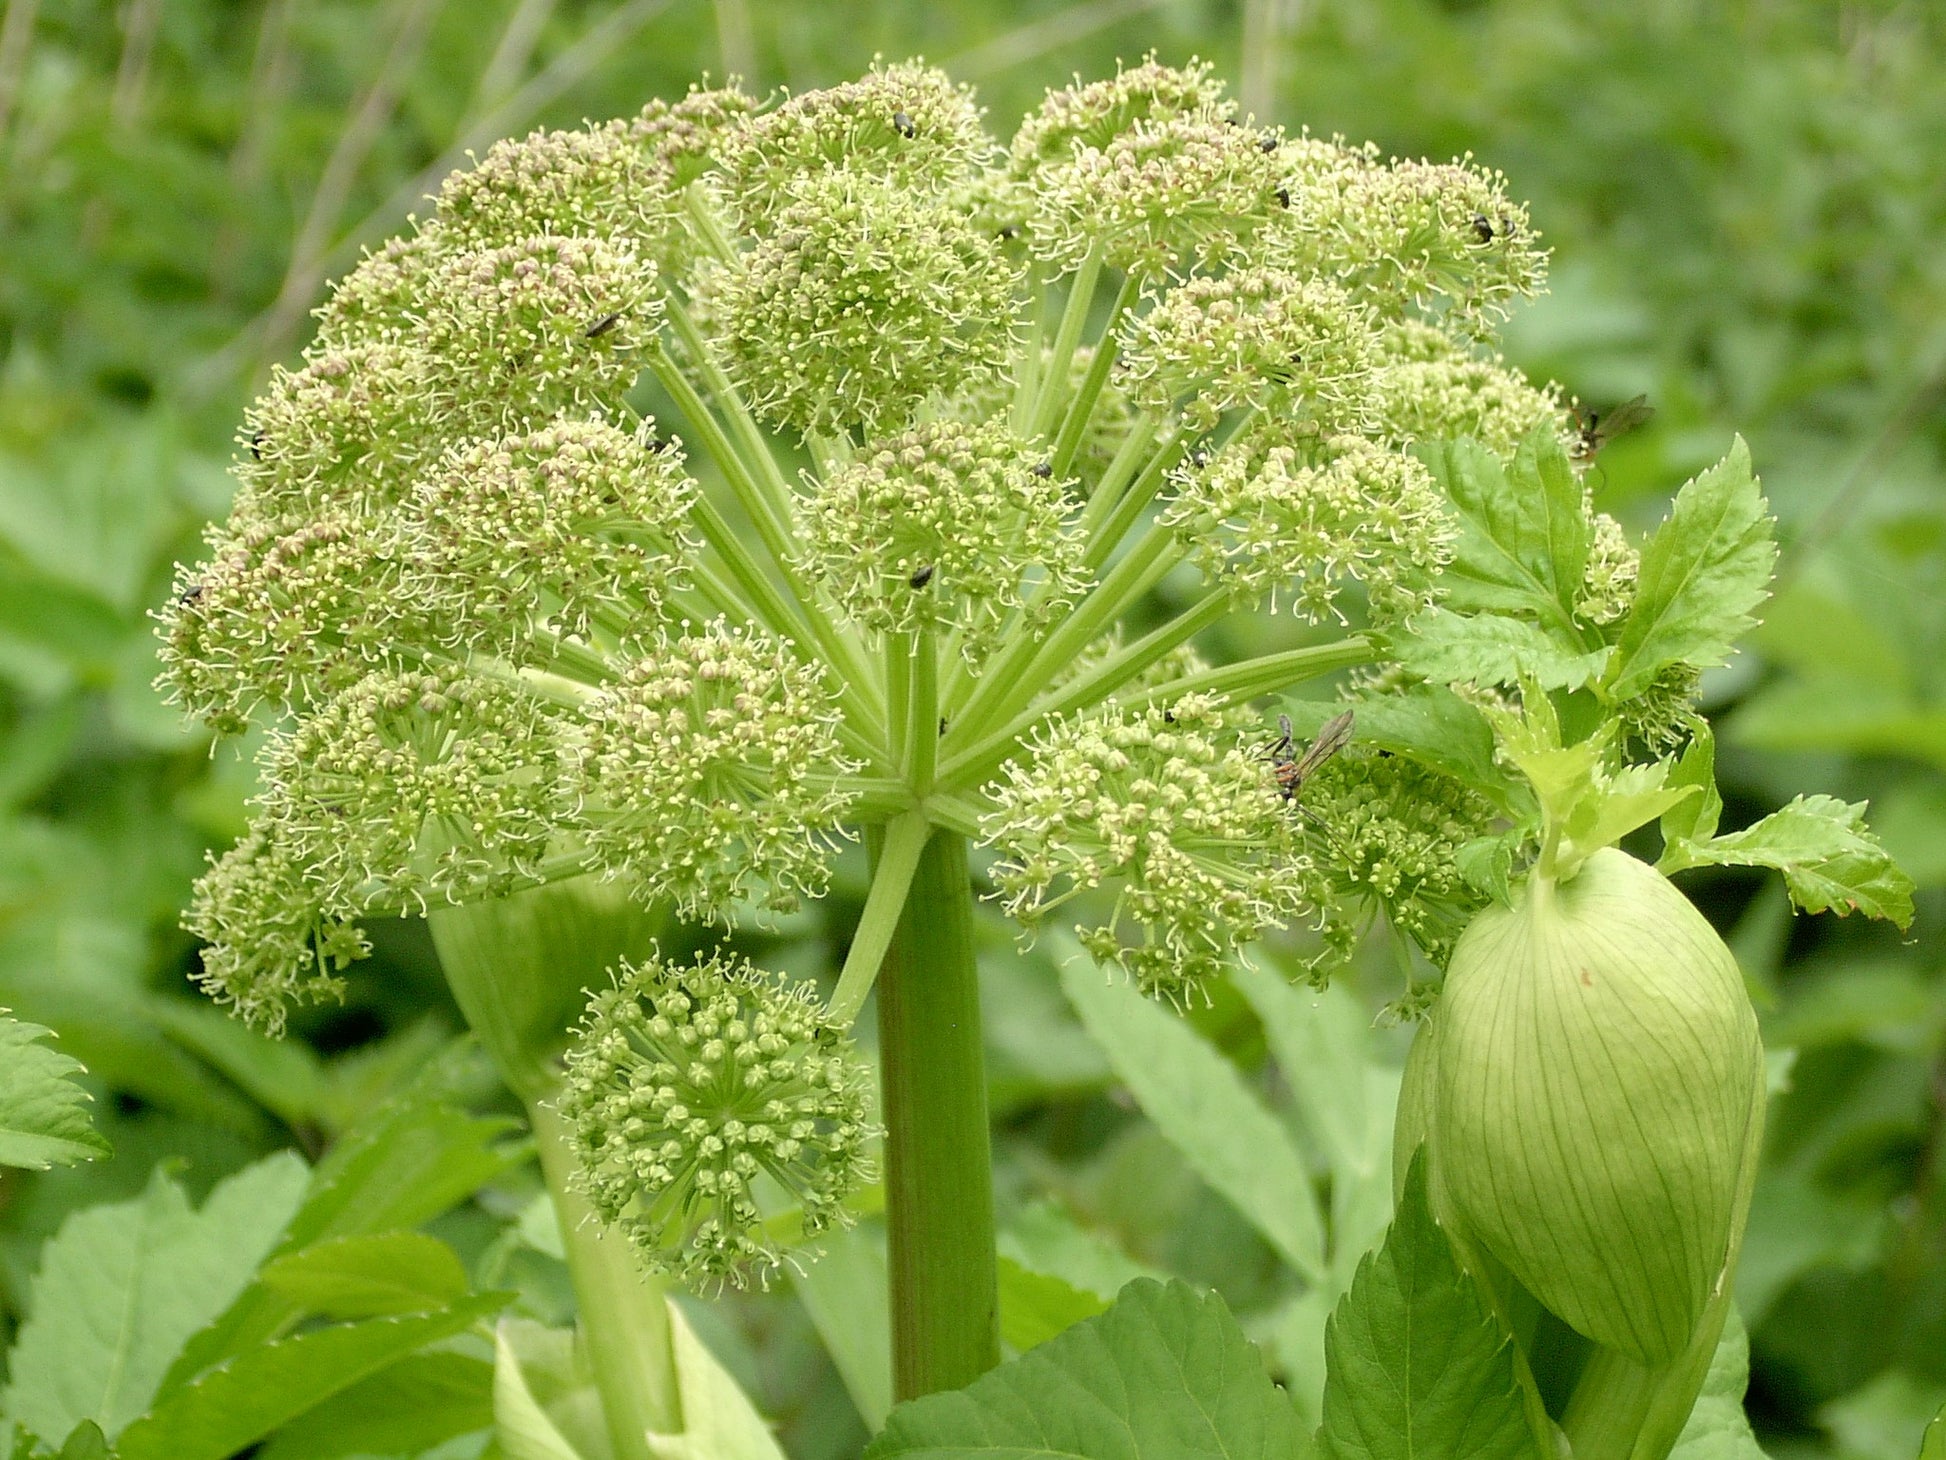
{"x": 1599, "y": 1078}
{"x": 690, "y": 1090}
{"x": 688, "y": 134}
{"x": 384, "y": 297}
{"x": 1426, "y": 387}
{"x": 1095, "y": 113}
{"x": 597, "y": 181}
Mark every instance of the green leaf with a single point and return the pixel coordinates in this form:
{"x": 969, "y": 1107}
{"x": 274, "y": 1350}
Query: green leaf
{"x": 1200, "y": 1104}
{"x": 1034, "y": 1306}
{"x": 1933, "y": 1446}
{"x": 1417, "y": 1367}
{"x": 122, "y": 1287}
{"x": 1491, "y": 648}
{"x": 237, "y": 1405}
{"x": 1524, "y": 534}
{"x": 418, "y": 1156}
{"x": 719, "y": 1421}
{"x": 849, "y": 1281}
{"x": 1703, "y": 573}
{"x": 86, "y": 1443}
{"x": 366, "y": 1277}
{"x": 1428, "y": 724}
{"x": 1695, "y": 817}
{"x": 43, "y": 1113}
{"x": 1163, "y": 1374}
{"x": 1829, "y": 860}
{"x": 1717, "y": 1428}
{"x": 544, "y": 1393}
{"x": 422, "y": 1400}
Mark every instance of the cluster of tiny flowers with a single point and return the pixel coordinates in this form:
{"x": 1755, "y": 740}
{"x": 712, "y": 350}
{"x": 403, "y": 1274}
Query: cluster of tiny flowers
{"x": 908, "y": 125}
{"x": 940, "y": 528}
{"x": 1158, "y": 198}
{"x": 705, "y": 773}
{"x": 411, "y": 788}
{"x": 1384, "y": 832}
{"x": 693, "y": 1094}
{"x": 1164, "y": 805}
{"x": 1608, "y": 582}
{"x": 1411, "y": 235}
{"x": 1301, "y": 521}
{"x": 1253, "y": 338}
{"x": 1661, "y": 717}
{"x": 1092, "y": 114}
{"x": 559, "y": 531}
{"x": 271, "y": 937}
{"x": 1428, "y": 388}
{"x": 861, "y": 302}
{"x": 596, "y": 182}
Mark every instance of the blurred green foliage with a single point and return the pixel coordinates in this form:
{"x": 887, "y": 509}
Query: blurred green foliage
{"x": 1745, "y": 198}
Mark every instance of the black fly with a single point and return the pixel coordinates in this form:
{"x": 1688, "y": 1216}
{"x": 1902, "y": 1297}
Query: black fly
{"x": 189, "y": 595}
{"x": 903, "y": 125}
{"x": 1482, "y": 229}
{"x": 921, "y": 578}
{"x": 603, "y": 325}
{"x": 1595, "y": 429}
{"x": 1293, "y": 767}
{"x": 1043, "y": 469}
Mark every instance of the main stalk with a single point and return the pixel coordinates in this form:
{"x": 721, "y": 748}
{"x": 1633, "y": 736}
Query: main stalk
{"x": 938, "y": 1167}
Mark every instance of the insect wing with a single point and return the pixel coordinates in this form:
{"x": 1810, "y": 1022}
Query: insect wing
{"x": 1334, "y": 737}
{"x": 1625, "y": 417}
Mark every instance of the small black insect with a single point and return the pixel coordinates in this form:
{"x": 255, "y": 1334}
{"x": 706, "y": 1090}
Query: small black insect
{"x": 655, "y": 445}
{"x": 1168, "y": 717}
{"x": 1293, "y": 767}
{"x": 603, "y": 325}
{"x": 1482, "y": 229}
{"x": 190, "y": 594}
{"x": 256, "y": 446}
{"x": 942, "y": 724}
{"x": 903, "y": 125}
{"x": 1043, "y": 469}
{"x": 921, "y": 578}
{"x": 1199, "y": 458}
{"x": 1267, "y": 144}
{"x": 1595, "y": 430}
{"x": 1283, "y": 197}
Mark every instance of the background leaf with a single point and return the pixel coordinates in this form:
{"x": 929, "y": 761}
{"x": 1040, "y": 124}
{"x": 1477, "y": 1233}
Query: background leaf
{"x": 43, "y": 1113}
{"x": 1162, "y": 1374}
{"x": 122, "y": 1287}
{"x": 368, "y": 1276}
{"x": 1418, "y": 1368}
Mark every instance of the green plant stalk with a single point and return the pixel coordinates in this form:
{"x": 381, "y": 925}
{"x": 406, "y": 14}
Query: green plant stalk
{"x": 938, "y": 1166}
{"x": 1082, "y": 409}
{"x": 1074, "y": 318}
{"x": 518, "y": 968}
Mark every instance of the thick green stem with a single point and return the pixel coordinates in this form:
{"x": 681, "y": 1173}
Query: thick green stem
{"x": 938, "y": 1167}
{"x": 1074, "y": 317}
{"x": 898, "y": 858}
{"x": 1081, "y": 409}
{"x": 623, "y": 1313}
{"x": 518, "y": 968}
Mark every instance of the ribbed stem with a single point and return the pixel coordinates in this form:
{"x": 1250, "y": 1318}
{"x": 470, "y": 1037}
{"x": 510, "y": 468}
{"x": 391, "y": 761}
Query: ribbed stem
{"x": 938, "y": 1168}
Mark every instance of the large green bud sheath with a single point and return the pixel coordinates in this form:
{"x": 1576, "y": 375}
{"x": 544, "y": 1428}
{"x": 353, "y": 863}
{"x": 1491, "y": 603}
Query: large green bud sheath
{"x": 1591, "y": 1095}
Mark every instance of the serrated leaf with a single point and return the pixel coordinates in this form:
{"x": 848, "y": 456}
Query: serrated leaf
{"x": 1829, "y": 860}
{"x": 1035, "y": 1306}
{"x": 1524, "y": 532}
{"x": 421, "y": 1401}
{"x": 240, "y": 1403}
{"x": 1695, "y": 818}
{"x": 1200, "y": 1104}
{"x": 1703, "y": 573}
{"x": 122, "y": 1287}
{"x": 1163, "y": 1374}
{"x": 369, "y": 1276}
{"x": 43, "y": 1113}
{"x": 1490, "y": 648}
{"x": 1417, "y": 1366}
{"x": 1717, "y": 1428}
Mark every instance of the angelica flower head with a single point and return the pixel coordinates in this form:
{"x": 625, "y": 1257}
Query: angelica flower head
{"x": 697, "y": 1094}
{"x": 950, "y": 429}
